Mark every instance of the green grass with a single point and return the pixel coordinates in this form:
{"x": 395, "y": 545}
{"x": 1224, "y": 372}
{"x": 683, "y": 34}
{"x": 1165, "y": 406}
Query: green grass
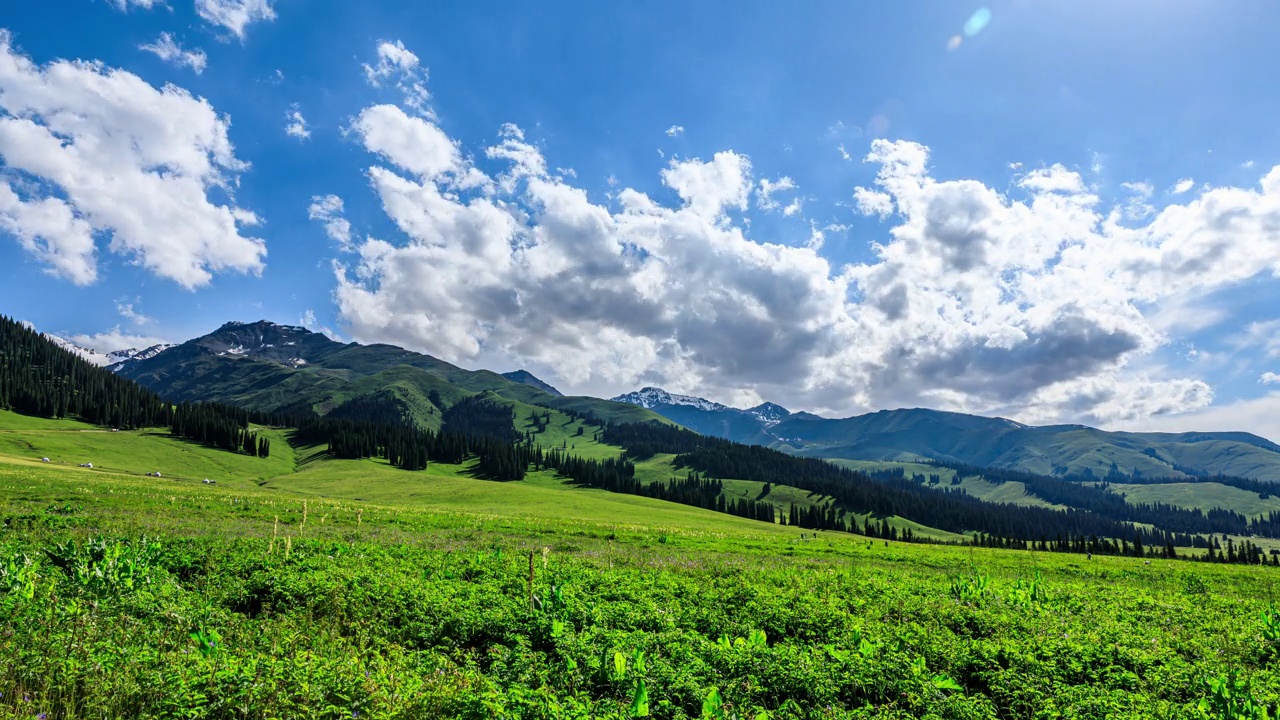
{"x": 1200, "y": 495}
{"x": 1014, "y": 493}
{"x": 136, "y": 452}
{"x": 393, "y": 607}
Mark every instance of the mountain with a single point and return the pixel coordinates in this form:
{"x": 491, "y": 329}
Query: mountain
{"x": 922, "y": 434}
{"x": 283, "y": 368}
{"x": 528, "y": 378}
{"x": 107, "y": 360}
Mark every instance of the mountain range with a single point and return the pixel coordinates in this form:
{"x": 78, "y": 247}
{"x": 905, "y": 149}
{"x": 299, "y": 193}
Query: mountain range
{"x": 284, "y": 368}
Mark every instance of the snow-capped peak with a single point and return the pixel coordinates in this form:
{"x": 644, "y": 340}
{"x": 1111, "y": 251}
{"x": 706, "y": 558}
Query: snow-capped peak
{"x": 110, "y": 360}
{"x": 651, "y": 396}
{"x": 93, "y": 356}
{"x": 769, "y": 414}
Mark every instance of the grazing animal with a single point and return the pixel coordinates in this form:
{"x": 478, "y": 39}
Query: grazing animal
{"x": 44, "y": 459}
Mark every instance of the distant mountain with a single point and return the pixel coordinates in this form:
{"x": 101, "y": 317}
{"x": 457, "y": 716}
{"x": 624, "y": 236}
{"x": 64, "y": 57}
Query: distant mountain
{"x": 710, "y": 418}
{"x": 528, "y": 378}
{"x": 286, "y": 368}
{"x": 108, "y": 360}
{"x": 921, "y": 434}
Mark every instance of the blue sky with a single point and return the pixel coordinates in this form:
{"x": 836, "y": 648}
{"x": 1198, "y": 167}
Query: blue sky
{"x": 986, "y": 278}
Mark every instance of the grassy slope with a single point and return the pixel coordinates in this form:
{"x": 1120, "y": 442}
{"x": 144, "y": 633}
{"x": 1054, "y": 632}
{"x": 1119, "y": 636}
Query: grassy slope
{"x": 378, "y": 596}
{"x": 1014, "y": 493}
{"x": 136, "y": 452}
{"x": 1200, "y": 495}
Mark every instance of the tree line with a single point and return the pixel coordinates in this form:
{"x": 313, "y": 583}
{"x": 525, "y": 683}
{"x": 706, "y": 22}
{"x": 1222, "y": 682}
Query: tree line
{"x": 39, "y": 378}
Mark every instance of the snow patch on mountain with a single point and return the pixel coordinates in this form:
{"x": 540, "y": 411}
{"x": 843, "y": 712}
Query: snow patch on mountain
{"x": 769, "y": 414}
{"x": 109, "y": 360}
{"x": 651, "y": 397}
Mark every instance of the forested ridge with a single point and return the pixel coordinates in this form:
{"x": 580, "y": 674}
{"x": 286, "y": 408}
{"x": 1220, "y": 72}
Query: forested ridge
{"x": 37, "y": 377}
{"x": 890, "y": 492}
{"x": 1096, "y": 496}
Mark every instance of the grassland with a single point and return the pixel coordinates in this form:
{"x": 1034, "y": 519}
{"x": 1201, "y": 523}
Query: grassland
{"x": 350, "y": 589}
{"x": 1200, "y": 495}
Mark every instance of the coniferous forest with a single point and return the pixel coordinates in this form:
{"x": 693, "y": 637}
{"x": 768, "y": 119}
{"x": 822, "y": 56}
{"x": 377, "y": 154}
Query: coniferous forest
{"x": 41, "y": 379}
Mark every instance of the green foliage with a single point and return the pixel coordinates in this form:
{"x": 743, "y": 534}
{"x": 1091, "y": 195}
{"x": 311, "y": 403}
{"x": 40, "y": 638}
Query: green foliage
{"x": 104, "y": 565}
{"x": 18, "y": 574}
{"x": 969, "y": 589}
{"x": 1029, "y": 593}
{"x": 1231, "y": 698}
{"x": 404, "y": 610}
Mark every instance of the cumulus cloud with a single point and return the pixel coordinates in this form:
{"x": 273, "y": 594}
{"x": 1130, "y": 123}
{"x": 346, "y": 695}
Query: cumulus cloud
{"x": 1182, "y": 186}
{"x": 768, "y": 188}
{"x": 397, "y": 64}
{"x": 1030, "y": 302}
{"x": 115, "y": 340}
{"x": 170, "y": 51}
{"x": 94, "y": 152}
{"x": 296, "y": 125}
{"x": 1269, "y": 378}
{"x": 128, "y": 312}
{"x": 235, "y": 15}
{"x": 327, "y": 210}
{"x": 1138, "y": 207}
{"x": 675, "y": 131}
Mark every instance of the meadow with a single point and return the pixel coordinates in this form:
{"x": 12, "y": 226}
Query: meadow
{"x": 304, "y": 587}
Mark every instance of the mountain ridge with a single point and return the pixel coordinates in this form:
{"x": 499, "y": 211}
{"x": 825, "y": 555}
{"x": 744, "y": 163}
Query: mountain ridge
{"x": 996, "y": 442}
{"x": 286, "y": 368}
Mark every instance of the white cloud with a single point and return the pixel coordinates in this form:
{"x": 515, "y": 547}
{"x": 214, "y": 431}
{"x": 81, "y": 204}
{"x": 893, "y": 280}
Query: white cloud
{"x": 675, "y": 130}
{"x": 308, "y": 321}
{"x": 1032, "y": 305}
{"x": 170, "y": 51}
{"x": 793, "y": 208}
{"x": 127, "y": 312}
{"x": 1269, "y": 378}
{"x": 124, "y": 5}
{"x": 1055, "y": 178}
{"x": 114, "y": 340}
{"x": 1182, "y": 186}
{"x": 296, "y": 125}
{"x": 1138, "y": 207}
{"x": 707, "y": 188}
{"x": 95, "y": 151}
{"x": 235, "y": 15}
{"x": 1246, "y": 164}
{"x": 49, "y": 229}
{"x": 1260, "y": 416}
{"x": 327, "y": 210}
{"x": 873, "y": 202}
{"x": 397, "y": 63}
{"x": 767, "y": 189}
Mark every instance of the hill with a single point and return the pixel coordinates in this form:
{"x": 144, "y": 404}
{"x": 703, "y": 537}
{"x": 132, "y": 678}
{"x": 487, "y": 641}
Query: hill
{"x": 284, "y": 368}
{"x": 921, "y": 434}
{"x": 367, "y": 591}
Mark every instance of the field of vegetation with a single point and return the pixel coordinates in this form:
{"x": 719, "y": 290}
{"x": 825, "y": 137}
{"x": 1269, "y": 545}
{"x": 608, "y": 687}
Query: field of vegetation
{"x": 300, "y": 586}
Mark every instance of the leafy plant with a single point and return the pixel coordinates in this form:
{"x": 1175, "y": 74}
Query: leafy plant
{"x": 1231, "y": 698}
{"x": 969, "y": 589}
{"x": 1029, "y": 593}
{"x": 640, "y": 700}
{"x": 18, "y": 575}
{"x": 105, "y": 565}
{"x": 207, "y": 641}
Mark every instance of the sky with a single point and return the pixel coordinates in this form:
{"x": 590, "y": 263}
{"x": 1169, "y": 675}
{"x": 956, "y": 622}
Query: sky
{"x": 1053, "y": 212}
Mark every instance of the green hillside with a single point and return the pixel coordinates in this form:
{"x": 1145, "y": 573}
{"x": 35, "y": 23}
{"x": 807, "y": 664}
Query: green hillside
{"x": 280, "y": 368}
{"x": 1200, "y": 495}
{"x": 350, "y": 589}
